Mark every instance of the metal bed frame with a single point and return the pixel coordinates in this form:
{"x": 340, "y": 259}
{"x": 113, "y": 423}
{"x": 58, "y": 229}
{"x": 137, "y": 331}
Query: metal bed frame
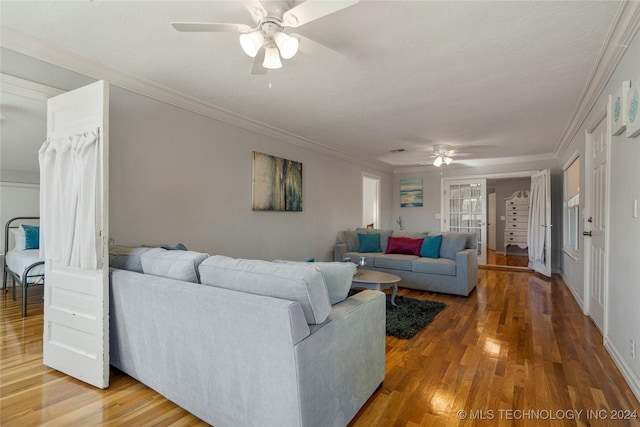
{"x": 23, "y": 279}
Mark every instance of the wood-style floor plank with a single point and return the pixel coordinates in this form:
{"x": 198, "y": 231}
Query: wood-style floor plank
{"x": 517, "y": 343}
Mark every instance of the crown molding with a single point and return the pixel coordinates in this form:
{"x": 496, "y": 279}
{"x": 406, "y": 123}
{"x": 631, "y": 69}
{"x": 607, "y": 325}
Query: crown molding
{"x": 30, "y": 46}
{"x": 624, "y": 28}
{"x": 27, "y": 88}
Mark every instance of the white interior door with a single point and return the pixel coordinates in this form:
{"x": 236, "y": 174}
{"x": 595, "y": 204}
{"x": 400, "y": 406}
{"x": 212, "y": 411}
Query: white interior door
{"x": 539, "y": 231}
{"x": 464, "y": 210}
{"x": 76, "y": 306}
{"x": 491, "y": 222}
{"x": 595, "y": 222}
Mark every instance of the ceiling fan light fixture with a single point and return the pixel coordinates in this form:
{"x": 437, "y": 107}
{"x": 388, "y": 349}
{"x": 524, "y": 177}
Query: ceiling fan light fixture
{"x": 288, "y": 45}
{"x": 252, "y": 42}
{"x": 447, "y": 160}
{"x": 272, "y": 58}
{"x": 438, "y": 161}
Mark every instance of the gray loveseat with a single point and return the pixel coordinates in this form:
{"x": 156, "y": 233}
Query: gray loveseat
{"x": 234, "y": 356}
{"x": 453, "y": 271}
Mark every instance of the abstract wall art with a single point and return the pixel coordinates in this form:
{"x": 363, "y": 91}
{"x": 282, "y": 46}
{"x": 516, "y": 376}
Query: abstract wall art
{"x": 277, "y": 183}
{"x": 411, "y": 193}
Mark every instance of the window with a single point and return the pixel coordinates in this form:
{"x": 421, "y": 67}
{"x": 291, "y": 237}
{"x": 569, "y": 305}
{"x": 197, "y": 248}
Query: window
{"x": 571, "y": 207}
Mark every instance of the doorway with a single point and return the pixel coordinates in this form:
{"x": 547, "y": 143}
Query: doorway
{"x": 507, "y": 246}
{"x": 370, "y": 200}
{"x": 494, "y": 258}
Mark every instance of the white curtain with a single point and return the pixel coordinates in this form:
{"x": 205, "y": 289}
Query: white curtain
{"x": 537, "y": 219}
{"x": 69, "y": 183}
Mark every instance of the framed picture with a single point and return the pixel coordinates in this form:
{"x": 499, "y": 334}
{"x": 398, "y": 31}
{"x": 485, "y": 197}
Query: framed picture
{"x": 277, "y": 183}
{"x": 633, "y": 121}
{"x": 619, "y": 109}
{"x": 410, "y": 193}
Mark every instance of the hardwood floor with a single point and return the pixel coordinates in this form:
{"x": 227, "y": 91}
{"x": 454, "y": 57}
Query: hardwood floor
{"x": 511, "y": 260}
{"x": 517, "y": 343}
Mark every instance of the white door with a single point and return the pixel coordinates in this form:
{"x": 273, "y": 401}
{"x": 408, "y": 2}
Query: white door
{"x": 491, "y": 222}
{"x": 595, "y": 221}
{"x": 464, "y": 210}
{"x": 76, "y": 306}
{"x": 539, "y": 231}
{"x": 370, "y": 200}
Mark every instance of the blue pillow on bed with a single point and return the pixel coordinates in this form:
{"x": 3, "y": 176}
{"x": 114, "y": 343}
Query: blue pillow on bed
{"x": 31, "y": 236}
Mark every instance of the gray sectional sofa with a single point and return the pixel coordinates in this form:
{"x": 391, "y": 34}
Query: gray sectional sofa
{"x": 453, "y": 271}
{"x": 246, "y": 342}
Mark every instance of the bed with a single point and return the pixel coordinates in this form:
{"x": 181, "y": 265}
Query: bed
{"x": 22, "y": 263}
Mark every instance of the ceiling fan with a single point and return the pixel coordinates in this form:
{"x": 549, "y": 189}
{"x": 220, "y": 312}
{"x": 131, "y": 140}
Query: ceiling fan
{"x": 267, "y": 41}
{"x": 442, "y": 153}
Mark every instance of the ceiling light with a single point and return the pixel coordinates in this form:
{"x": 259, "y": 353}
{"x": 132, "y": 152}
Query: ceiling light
{"x": 288, "y": 45}
{"x": 437, "y": 162}
{"x": 251, "y": 43}
{"x": 272, "y": 58}
{"x": 447, "y": 160}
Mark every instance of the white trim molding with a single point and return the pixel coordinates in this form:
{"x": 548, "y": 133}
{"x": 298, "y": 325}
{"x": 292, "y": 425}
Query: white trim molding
{"x": 624, "y": 28}
{"x": 626, "y": 370}
{"x": 27, "y": 88}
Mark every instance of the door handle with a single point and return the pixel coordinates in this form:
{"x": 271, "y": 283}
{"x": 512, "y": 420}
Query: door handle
{"x": 586, "y": 233}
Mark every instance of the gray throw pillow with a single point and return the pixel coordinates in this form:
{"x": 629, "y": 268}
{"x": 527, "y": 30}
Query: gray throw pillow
{"x": 126, "y": 258}
{"x": 178, "y": 265}
{"x": 452, "y": 243}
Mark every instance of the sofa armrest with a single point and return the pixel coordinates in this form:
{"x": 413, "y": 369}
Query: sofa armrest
{"x": 466, "y": 271}
{"x": 343, "y": 358}
{"x": 338, "y": 251}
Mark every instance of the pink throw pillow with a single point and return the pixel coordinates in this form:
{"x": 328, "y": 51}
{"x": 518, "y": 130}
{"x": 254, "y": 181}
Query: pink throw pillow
{"x": 404, "y": 245}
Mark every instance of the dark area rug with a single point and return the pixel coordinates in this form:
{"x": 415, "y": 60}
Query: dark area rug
{"x": 409, "y": 316}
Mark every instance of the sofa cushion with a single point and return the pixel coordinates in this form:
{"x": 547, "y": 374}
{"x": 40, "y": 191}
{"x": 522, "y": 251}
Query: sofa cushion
{"x": 352, "y": 241}
{"x": 452, "y": 243}
{"x": 126, "y": 257}
{"x": 178, "y": 265}
{"x": 431, "y": 246}
{"x": 369, "y": 242}
{"x": 404, "y": 245}
{"x": 410, "y": 234}
{"x": 286, "y": 281}
{"x": 337, "y": 276}
{"x": 394, "y": 261}
{"x": 441, "y": 266}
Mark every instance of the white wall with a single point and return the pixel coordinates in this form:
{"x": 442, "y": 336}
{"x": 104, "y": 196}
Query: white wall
{"x": 177, "y": 176}
{"x": 623, "y": 316}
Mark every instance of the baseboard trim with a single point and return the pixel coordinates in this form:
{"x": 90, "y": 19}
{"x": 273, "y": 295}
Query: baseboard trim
{"x": 627, "y": 373}
{"x": 573, "y": 291}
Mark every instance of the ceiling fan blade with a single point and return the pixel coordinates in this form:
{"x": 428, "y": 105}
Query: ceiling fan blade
{"x": 256, "y": 9}
{"x": 316, "y": 49}
{"x": 211, "y": 27}
{"x": 257, "y": 67}
{"x": 311, "y": 10}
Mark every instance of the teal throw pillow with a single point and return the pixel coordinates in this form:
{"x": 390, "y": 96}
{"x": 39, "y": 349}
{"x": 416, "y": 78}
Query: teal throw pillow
{"x": 369, "y": 243}
{"x": 178, "y": 247}
{"x": 31, "y": 236}
{"x": 431, "y": 246}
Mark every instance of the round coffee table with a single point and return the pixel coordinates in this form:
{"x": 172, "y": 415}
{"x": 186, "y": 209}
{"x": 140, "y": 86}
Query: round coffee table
{"x": 377, "y": 280}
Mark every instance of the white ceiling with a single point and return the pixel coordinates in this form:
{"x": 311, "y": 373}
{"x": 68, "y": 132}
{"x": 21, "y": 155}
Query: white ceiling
{"x": 491, "y": 78}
